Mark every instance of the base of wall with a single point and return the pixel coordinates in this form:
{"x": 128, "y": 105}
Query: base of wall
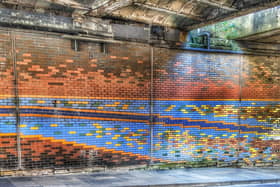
{"x": 56, "y": 171}
{"x": 160, "y": 166}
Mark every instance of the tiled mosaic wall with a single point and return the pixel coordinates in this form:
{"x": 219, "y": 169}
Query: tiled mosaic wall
{"x": 92, "y": 107}
{"x": 8, "y": 148}
{"x": 216, "y": 107}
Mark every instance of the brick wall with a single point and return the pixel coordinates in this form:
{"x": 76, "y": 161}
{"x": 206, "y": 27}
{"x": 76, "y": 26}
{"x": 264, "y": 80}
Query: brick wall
{"x": 8, "y": 153}
{"x": 89, "y": 107}
{"x": 216, "y": 107}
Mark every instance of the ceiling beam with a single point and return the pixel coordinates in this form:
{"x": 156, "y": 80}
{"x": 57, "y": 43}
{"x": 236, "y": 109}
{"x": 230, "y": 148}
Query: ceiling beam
{"x": 218, "y": 5}
{"x": 18, "y": 2}
{"x": 108, "y": 7}
{"x": 69, "y": 3}
{"x": 44, "y": 22}
{"x": 197, "y": 18}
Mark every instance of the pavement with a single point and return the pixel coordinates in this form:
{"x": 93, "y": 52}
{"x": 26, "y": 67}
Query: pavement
{"x": 255, "y": 185}
{"x": 235, "y": 177}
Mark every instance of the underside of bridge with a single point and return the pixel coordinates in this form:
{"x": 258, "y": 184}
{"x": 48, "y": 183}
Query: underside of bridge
{"x": 182, "y": 14}
{"x": 90, "y": 84}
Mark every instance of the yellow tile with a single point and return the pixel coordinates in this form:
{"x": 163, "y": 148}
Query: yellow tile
{"x": 72, "y": 132}
{"x": 170, "y": 108}
{"x": 22, "y": 125}
{"x": 125, "y": 107}
{"x": 142, "y": 130}
{"x": 78, "y": 102}
{"x": 53, "y": 125}
{"x": 34, "y": 128}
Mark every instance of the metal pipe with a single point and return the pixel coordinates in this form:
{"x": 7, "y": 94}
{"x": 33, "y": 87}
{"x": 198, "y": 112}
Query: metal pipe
{"x": 151, "y": 97}
{"x": 98, "y": 40}
{"x": 240, "y": 81}
{"x": 16, "y": 98}
{"x": 152, "y": 104}
{"x": 75, "y": 45}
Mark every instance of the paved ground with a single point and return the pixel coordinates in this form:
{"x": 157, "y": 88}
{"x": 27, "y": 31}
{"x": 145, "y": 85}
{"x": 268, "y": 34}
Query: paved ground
{"x": 255, "y": 185}
{"x": 266, "y": 177}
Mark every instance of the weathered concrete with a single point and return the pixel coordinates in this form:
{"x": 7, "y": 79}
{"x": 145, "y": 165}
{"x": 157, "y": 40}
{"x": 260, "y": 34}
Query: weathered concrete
{"x": 9, "y": 17}
{"x": 258, "y": 32}
{"x": 250, "y": 27}
{"x": 259, "y": 25}
{"x": 185, "y": 15}
{"x": 180, "y": 177}
{"x": 90, "y": 26}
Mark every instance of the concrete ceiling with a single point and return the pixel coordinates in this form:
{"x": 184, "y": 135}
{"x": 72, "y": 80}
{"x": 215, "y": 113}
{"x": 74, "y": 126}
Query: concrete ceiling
{"x": 181, "y": 14}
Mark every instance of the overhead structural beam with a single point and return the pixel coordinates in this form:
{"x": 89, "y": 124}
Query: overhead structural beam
{"x": 38, "y": 21}
{"x": 108, "y": 7}
{"x": 218, "y": 5}
{"x": 183, "y": 7}
{"x": 97, "y": 4}
{"x": 18, "y": 2}
{"x": 69, "y": 3}
{"x": 197, "y": 18}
